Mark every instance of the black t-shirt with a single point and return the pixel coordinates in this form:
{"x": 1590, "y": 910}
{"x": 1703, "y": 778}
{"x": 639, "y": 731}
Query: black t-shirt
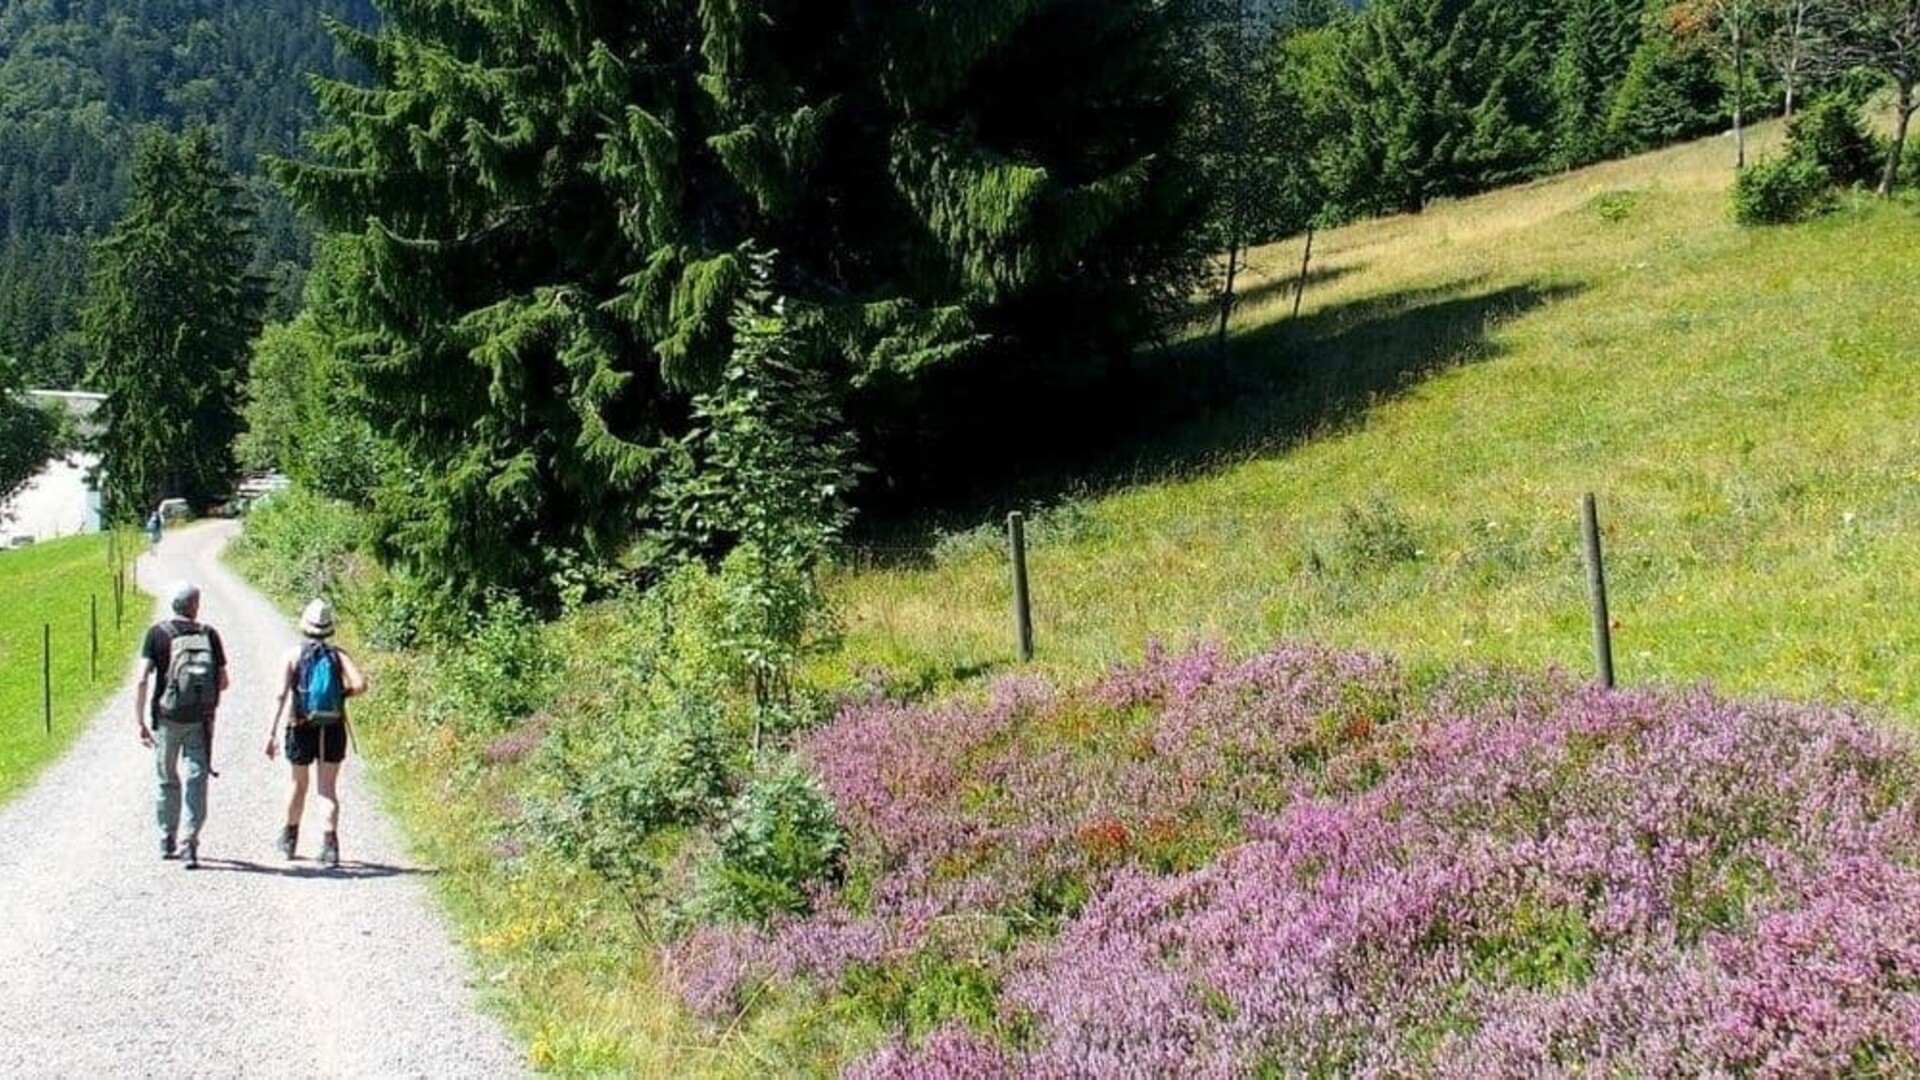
{"x": 158, "y": 651}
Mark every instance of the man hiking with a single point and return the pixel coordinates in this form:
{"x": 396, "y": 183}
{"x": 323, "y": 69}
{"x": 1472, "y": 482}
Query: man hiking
{"x": 316, "y": 679}
{"x": 187, "y": 665}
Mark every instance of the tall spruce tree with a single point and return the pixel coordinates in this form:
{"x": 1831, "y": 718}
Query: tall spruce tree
{"x": 1442, "y": 97}
{"x": 1671, "y": 90}
{"x": 167, "y": 324}
{"x": 1597, "y": 41}
{"x": 550, "y": 201}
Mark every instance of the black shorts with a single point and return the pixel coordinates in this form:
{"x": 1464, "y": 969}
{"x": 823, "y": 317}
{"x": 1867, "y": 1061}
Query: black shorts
{"x": 307, "y": 741}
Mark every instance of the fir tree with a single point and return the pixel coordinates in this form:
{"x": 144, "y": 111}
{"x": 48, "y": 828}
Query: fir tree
{"x": 1443, "y": 97}
{"x": 171, "y": 311}
{"x": 1671, "y": 91}
{"x": 549, "y": 204}
{"x": 1597, "y": 41}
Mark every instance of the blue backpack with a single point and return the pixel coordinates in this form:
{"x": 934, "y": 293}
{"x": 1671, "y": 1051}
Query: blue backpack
{"x": 319, "y": 686}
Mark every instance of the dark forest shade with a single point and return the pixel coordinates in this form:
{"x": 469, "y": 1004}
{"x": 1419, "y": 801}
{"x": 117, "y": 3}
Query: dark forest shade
{"x": 547, "y": 211}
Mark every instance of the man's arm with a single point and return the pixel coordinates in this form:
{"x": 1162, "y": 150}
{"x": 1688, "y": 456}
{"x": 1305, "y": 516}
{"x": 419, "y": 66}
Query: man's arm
{"x": 220, "y": 656}
{"x": 140, "y": 701}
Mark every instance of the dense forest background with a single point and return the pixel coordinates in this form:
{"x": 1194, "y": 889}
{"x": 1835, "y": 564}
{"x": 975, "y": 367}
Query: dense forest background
{"x": 545, "y": 222}
{"x": 80, "y": 78}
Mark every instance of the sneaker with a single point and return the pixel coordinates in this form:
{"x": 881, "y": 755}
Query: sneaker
{"x": 330, "y": 851}
{"x": 289, "y": 839}
{"x": 168, "y": 850}
{"x": 193, "y": 854}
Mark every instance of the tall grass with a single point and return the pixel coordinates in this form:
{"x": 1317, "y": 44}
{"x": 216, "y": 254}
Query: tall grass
{"x": 1400, "y": 468}
{"x": 48, "y": 588}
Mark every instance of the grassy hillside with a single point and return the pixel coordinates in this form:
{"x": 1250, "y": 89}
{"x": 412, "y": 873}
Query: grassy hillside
{"x": 1401, "y": 471}
{"x": 1403, "y": 466}
{"x": 49, "y": 585}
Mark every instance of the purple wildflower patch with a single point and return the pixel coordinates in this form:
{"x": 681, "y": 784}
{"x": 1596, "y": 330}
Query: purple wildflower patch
{"x": 1299, "y": 863}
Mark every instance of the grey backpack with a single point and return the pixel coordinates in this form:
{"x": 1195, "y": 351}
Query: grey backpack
{"x": 192, "y": 686}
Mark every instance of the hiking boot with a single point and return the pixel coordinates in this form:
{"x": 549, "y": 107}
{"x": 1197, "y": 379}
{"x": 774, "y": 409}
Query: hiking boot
{"x": 193, "y": 854}
{"x": 330, "y": 851}
{"x": 168, "y": 850}
{"x": 289, "y": 839}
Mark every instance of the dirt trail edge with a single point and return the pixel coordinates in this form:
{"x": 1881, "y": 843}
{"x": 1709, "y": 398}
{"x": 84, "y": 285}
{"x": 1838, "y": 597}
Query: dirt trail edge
{"x": 116, "y": 963}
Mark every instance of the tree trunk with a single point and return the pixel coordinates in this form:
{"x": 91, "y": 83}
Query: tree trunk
{"x": 1903, "y": 112}
{"x": 1300, "y": 287}
{"x": 1226, "y": 294}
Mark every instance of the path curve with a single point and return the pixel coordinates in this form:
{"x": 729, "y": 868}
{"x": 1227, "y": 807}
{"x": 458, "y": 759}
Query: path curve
{"x": 115, "y": 963}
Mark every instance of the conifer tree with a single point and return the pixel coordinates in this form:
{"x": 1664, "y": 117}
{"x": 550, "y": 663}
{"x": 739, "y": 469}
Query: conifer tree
{"x": 166, "y": 327}
{"x": 1671, "y": 91}
{"x": 549, "y": 204}
{"x": 1443, "y": 97}
{"x": 1597, "y": 42}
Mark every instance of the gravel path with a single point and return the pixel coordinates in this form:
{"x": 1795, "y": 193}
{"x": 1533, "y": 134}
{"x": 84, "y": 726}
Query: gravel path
{"x": 115, "y": 963}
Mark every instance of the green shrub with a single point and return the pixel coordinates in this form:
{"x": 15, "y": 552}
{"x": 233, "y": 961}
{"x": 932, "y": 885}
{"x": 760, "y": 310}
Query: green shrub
{"x": 615, "y": 795}
{"x": 499, "y": 671}
{"x": 1829, "y": 134}
{"x": 780, "y": 836}
{"x": 300, "y": 545}
{"x": 1779, "y": 190}
{"x": 1378, "y": 535}
{"x": 1614, "y": 206}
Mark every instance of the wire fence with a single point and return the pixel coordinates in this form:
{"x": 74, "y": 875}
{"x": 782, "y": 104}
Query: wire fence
{"x": 115, "y": 588}
{"x": 870, "y": 556}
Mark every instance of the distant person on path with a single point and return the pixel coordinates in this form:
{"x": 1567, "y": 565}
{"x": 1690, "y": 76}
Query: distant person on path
{"x": 316, "y": 678}
{"x": 187, "y": 665}
{"x": 153, "y": 529}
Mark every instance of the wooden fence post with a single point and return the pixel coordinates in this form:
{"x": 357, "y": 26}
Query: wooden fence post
{"x": 46, "y": 674}
{"x": 1597, "y": 593}
{"x": 1022, "y": 608}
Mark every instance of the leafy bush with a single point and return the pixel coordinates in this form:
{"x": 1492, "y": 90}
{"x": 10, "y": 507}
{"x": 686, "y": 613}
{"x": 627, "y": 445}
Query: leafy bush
{"x": 1829, "y": 134}
{"x": 780, "y": 837}
{"x": 1378, "y": 535}
{"x": 499, "y": 671}
{"x": 1614, "y": 206}
{"x": 610, "y": 791}
{"x": 1778, "y": 191}
{"x": 298, "y": 544}
{"x": 29, "y": 435}
{"x": 400, "y": 611}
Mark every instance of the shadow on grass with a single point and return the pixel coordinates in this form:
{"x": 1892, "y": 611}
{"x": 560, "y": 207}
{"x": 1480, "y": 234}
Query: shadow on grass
{"x": 1279, "y": 283}
{"x": 1187, "y": 411}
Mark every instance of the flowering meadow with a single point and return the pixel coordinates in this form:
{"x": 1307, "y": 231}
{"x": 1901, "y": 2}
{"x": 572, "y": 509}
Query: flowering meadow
{"x": 1308, "y": 862}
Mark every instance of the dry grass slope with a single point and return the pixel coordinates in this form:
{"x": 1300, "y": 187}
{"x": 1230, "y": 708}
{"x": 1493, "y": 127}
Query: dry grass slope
{"x": 1402, "y": 465}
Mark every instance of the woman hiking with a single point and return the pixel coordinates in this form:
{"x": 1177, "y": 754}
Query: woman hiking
{"x": 316, "y": 678}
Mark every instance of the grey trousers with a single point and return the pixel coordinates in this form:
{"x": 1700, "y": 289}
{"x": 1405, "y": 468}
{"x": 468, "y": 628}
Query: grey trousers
{"x": 171, "y": 743}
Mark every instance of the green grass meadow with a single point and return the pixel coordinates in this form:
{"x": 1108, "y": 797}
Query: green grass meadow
{"x": 1403, "y": 464}
{"x": 53, "y": 585}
